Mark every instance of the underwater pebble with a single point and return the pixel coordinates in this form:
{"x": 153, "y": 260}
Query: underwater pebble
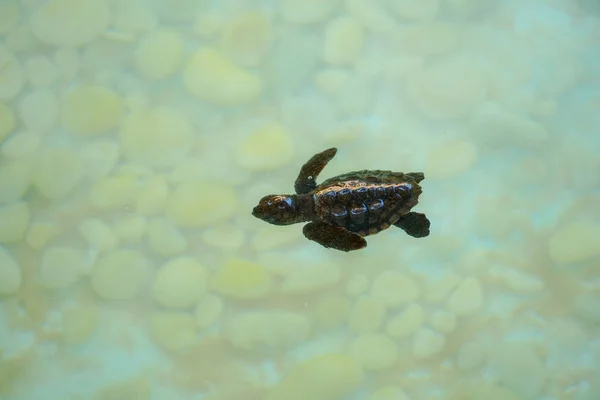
{"x": 451, "y": 160}
{"x": 344, "y": 41}
{"x": 173, "y": 331}
{"x": 40, "y": 233}
{"x": 357, "y": 284}
{"x": 98, "y": 234}
{"x": 429, "y": 38}
{"x": 67, "y": 62}
{"x": 114, "y": 191}
{"x": 366, "y": 315}
{"x": 332, "y": 311}
{"x": 12, "y": 77}
{"x": 443, "y": 321}
{"x": 394, "y": 289}
{"x": 120, "y": 274}
{"x": 373, "y": 15}
{"x": 7, "y": 121}
{"x": 267, "y": 148}
{"x": 209, "y": 76}
{"x": 332, "y": 81}
{"x": 21, "y": 145}
{"x": 40, "y": 71}
{"x": 199, "y": 204}
{"x": 14, "y": 181}
{"x": 224, "y": 237}
{"x": 70, "y": 22}
{"x": 467, "y": 298}
{"x": 159, "y": 54}
{"x": 92, "y": 110}
{"x": 165, "y": 239}
{"x": 305, "y": 380}
{"x": 437, "y": 289}
{"x": 574, "y": 242}
{"x": 152, "y": 196}
{"x": 374, "y": 351}
{"x": 57, "y": 172}
{"x": 406, "y": 322}
{"x": 133, "y": 16}
{"x": 308, "y": 11}
{"x": 448, "y": 89}
{"x": 180, "y": 283}
{"x": 39, "y": 110}
{"x": 247, "y": 38}
{"x": 587, "y": 307}
{"x": 421, "y": 10}
{"x": 241, "y": 279}
{"x": 10, "y": 273}
{"x": 79, "y": 323}
{"x": 9, "y": 16}
{"x": 427, "y": 342}
{"x": 99, "y": 158}
{"x": 274, "y": 329}
{"x": 130, "y": 229}
{"x": 471, "y": 356}
{"x": 311, "y": 278}
{"x": 156, "y": 137}
{"x": 208, "y": 310}
{"x": 15, "y": 220}
{"x": 388, "y": 392}
{"x": 516, "y": 367}
{"x": 61, "y": 267}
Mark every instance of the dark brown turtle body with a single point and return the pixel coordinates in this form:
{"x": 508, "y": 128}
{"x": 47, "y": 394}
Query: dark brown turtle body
{"x": 344, "y": 209}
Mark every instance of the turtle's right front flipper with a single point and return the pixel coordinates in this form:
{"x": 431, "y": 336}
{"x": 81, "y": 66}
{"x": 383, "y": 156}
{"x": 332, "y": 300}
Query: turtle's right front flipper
{"x": 333, "y": 237}
{"x": 415, "y": 224}
{"x": 306, "y": 180}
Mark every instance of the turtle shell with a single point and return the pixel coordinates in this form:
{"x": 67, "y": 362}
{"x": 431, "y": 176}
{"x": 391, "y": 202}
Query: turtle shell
{"x": 368, "y": 201}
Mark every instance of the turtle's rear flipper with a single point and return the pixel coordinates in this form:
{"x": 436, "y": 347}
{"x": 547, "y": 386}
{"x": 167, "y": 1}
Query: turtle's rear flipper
{"x": 333, "y": 237}
{"x": 414, "y": 224}
{"x": 306, "y": 180}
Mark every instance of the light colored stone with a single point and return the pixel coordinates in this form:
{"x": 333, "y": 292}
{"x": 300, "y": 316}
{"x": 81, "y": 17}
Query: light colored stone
{"x": 9, "y": 16}
{"x": 225, "y": 237}
{"x": 451, "y": 160}
{"x": 267, "y": 148}
{"x": 242, "y": 279}
{"x": 448, "y": 89}
{"x": 165, "y": 239}
{"x": 389, "y": 392}
{"x": 200, "y": 204}
{"x": 39, "y": 110}
{"x": 21, "y": 145}
{"x": 587, "y": 307}
{"x": 7, "y": 121}
{"x": 57, "y": 172}
{"x": 120, "y": 274}
{"x": 443, "y": 321}
{"x": 79, "y": 324}
{"x": 344, "y": 41}
{"x": 98, "y": 234}
{"x": 427, "y": 342}
{"x": 471, "y": 356}
{"x": 10, "y": 273}
{"x": 14, "y": 181}
{"x": 274, "y": 329}
{"x": 61, "y": 267}
{"x": 208, "y": 310}
{"x": 422, "y": 10}
{"x": 114, "y": 191}
{"x": 70, "y": 22}
{"x": 40, "y": 233}
{"x": 311, "y": 278}
{"x": 130, "y": 229}
{"x": 15, "y": 220}
{"x": 373, "y": 15}
{"x": 575, "y": 242}
{"x": 247, "y": 38}
{"x": 395, "y": 289}
{"x": 40, "y": 71}
{"x": 12, "y": 79}
{"x": 173, "y": 331}
{"x": 307, "y": 12}
{"x": 99, "y": 158}
{"x": 406, "y": 322}
{"x": 436, "y": 289}
{"x": 467, "y": 298}
{"x": 332, "y": 311}
{"x": 211, "y": 77}
{"x": 159, "y": 54}
{"x": 92, "y": 110}
{"x": 374, "y": 351}
{"x": 134, "y": 16}
{"x": 429, "y": 38}
{"x": 180, "y": 283}
{"x": 152, "y": 196}
{"x": 367, "y": 315}
{"x": 157, "y": 136}
{"x": 305, "y": 380}
{"x": 357, "y": 284}
{"x": 518, "y": 368}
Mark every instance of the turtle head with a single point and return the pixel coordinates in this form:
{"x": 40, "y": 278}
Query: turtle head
{"x": 278, "y": 209}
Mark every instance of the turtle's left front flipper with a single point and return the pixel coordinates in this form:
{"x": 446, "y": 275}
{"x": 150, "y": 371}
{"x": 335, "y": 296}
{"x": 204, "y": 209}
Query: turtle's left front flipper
{"x": 307, "y": 177}
{"x": 334, "y": 237}
{"x": 414, "y": 224}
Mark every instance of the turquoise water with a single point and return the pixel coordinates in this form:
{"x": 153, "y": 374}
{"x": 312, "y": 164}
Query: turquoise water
{"x": 136, "y": 136}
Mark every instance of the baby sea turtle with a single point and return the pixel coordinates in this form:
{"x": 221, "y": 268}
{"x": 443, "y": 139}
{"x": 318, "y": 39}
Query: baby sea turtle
{"x": 344, "y": 209}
